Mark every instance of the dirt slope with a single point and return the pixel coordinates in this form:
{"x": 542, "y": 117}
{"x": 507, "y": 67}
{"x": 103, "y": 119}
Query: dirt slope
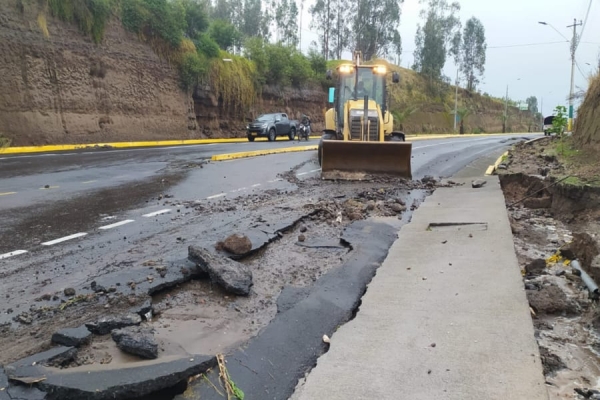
{"x": 587, "y": 125}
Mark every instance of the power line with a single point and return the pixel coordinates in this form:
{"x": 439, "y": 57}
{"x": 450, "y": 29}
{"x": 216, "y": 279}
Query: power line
{"x": 524, "y": 45}
{"x": 580, "y": 71}
{"x": 587, "y": 14}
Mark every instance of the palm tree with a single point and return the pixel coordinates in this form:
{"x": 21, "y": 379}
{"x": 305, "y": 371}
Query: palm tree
{"x": 401, "y": 116}
{"x": 463, "y": 113}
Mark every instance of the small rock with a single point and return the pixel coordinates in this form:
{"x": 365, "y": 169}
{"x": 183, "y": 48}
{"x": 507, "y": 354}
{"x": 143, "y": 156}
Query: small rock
{"x": 46, "y": 186}
{"x": 326, "y": 339}
{"x": 105, "y": 325}
{"x": 398, "y": 207}
{"x": 236, "y": 244}
{"x": 69, "y": 292}
{"x": 502, "y": 166}
{"x": 137, "y": 341}
{"x": 74, "y": 337}
{"x": 428, "y": 179}
{"x": 25, "y": 319}
{"x": 478, "y": 183}
{"x": 536, "y": 267}
{"x": 433, "y": 344}
{"x": 301, "y": 238}
{"x": 303, "y": 228}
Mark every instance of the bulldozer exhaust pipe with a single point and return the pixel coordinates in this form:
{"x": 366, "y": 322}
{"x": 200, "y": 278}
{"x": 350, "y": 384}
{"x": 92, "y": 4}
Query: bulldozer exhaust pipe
{"x": 357, "y": 160}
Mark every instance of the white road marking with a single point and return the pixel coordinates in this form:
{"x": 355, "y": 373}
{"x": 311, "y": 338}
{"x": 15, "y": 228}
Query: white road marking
{"x": 12, "y": 253}
{"x": 127, "y": 221}
{"x": 49, "y": 187}
{"x": 238, "y": 190}
{"x": 256, "y": 185}
{"x": 216, "y": 196}
{"x": 309, "y": 172}
{"x": 155, "y": 213}
{"x": 64, "y": 239}
{"x": 275, "y": 180}
{"x": 7, "y": 193}
{"x": 86, "y": 182}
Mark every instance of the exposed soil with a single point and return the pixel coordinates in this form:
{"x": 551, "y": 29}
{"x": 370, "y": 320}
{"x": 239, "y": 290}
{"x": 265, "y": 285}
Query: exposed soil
{"x": 554, "y": 222}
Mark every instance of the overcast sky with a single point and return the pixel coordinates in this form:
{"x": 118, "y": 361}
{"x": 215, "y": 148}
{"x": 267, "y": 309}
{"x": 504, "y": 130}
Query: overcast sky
{"x": 544, "y": 70}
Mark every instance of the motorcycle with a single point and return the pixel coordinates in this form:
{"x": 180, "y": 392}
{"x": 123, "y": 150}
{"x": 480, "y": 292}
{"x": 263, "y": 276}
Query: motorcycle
{"x": 304, "y": 131}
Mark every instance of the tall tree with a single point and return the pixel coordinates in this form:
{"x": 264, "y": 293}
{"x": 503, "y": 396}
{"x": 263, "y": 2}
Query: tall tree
{"x": 196, "y": 17}
{"x": 532, "y": 104}
{"x": 438, "y": 37}
{"x": 286, "y": 21}
{"x": 472, "y": 52}
{"x": 252, "y": 18}
{"x": 322, "y": 20}
{"x": 375, "y": 27}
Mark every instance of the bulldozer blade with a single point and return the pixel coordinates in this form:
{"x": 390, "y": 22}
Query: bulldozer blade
{"x": 349, "y": 160}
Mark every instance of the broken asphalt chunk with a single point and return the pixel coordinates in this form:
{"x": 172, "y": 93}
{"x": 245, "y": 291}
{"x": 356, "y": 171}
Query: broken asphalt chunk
{"x": 72, "y": 336}
{"x": 234, "y": 277}
{"x": 105, "y": 325}
{"x": 137, "y": 341}
{"x": 478, "y": 183}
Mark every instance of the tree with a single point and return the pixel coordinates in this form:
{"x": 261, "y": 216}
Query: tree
{"x": 532, "y": 104}
{"x": 463, "y": 113}
{"x": 252, "y": 18}
{"x": 286, "y": 21}
{"x": 225, "y": 34}
{"x": 472, "y": 52}
{"x": 196, "y": 17}
{"x": 438, "y": 37}
{"x": 322, "y": 21}
{"x": 375, "y": 27}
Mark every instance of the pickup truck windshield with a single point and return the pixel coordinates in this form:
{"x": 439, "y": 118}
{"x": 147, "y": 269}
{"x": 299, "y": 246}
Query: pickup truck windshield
{"x": 266, "y": 117}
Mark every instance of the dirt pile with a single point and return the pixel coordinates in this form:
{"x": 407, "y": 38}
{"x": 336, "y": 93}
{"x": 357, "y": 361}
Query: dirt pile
{"x": 587, "y": 125}
{"x": 553, "y": 223}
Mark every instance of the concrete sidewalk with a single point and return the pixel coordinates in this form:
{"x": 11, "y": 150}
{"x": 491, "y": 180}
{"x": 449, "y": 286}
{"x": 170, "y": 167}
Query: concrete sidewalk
{"x": 445, "y": 317}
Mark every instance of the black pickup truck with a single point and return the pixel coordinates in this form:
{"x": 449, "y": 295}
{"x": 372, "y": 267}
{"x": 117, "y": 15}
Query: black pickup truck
{"x": 271, "y": 126}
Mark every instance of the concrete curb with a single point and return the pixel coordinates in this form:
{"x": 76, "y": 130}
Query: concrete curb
{"x": 162, "y": 143}
{"x": 255, "y": 153}
{"x": 492, "y": 168}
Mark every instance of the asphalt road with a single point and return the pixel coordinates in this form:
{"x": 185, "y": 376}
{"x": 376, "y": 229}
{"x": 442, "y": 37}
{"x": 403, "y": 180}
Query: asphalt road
{"x": 53, "y": 205}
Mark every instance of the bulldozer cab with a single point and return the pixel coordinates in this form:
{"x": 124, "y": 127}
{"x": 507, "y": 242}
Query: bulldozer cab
{"x": 359, "y": 138}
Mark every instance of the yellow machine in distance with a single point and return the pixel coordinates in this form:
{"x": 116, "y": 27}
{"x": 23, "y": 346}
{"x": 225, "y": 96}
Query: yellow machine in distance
{"x": 359, "y": 139}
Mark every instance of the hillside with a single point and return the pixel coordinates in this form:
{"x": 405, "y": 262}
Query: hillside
{"x": 60, "y": 86}
{"x": 587, "y": 125}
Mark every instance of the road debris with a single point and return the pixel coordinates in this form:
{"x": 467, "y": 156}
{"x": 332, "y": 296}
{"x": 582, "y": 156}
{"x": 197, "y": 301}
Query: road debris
{"x": 233, "y": 276}
{"x": 72, "y": 336}
{"x": 106, "y": 325}
{"x": 136, "y": 340}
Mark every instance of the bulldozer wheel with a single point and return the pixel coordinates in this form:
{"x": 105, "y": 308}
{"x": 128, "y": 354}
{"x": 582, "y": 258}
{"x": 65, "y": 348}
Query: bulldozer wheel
{"x": 397, "y": 137}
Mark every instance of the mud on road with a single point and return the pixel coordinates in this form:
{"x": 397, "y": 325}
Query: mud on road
{"x": 295, "y": 240}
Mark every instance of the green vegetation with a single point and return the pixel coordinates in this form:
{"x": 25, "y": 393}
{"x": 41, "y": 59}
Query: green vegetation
{"x": 559, "y": 124}
{"x": 90, "y": 16}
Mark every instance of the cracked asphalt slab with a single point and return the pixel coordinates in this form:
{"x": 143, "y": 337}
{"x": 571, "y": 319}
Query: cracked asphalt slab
{"x": 186, "y": 201}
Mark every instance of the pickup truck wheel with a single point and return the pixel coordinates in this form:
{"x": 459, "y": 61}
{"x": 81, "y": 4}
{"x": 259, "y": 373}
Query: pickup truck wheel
{"x": 272, "y": 135}
{"x": 250, "y": 138}
{"x": 292, "y": 134}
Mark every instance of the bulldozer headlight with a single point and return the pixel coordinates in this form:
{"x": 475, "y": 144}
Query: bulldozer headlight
{"x": 345, "y": 69}
{"x": 380, "y": 69}
{"x": 360, "y": 113}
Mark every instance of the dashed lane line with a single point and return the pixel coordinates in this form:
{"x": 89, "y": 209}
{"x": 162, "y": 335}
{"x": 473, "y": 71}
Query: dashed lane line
{"x": 116, "y": 224}
{"x": 155, "y": 213}
{"x": 275, "y": 180}
{"x": 309, "y": 172}
{"x": 215, "y": 196}
{"x": 12, "y": 253}
{"x": 7, "y": 193}
{"x": 87, "y": 182}
{"x": 256, "y": 185}
{"x": 238, "y": 190}
{"x": 49, "y": 187}
{"x": 64, "y": 239}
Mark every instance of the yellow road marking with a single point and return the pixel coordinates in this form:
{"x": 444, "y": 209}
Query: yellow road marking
{"x": 245, "y": 154}
{"x": 7, "y": 193}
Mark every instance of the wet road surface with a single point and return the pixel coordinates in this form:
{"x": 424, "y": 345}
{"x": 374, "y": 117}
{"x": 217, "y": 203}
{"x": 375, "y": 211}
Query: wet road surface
{"x": 47, "y": 198}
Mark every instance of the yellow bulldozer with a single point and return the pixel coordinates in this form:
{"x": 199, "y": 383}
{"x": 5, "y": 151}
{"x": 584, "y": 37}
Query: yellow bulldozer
{"x": 359, "y": 140}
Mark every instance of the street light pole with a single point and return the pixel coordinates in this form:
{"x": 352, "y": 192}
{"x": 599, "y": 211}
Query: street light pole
{"x": 456, "y": 99}
{"x": 573, "y": 49}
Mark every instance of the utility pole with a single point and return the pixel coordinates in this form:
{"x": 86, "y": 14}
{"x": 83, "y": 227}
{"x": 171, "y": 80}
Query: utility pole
{"x": 505, "y": 112}
{"x": 456, "y": 99}
{"x": 573, "y": 50}
{"x": 542, "y": 113}
{"x": 300, "y": 29}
